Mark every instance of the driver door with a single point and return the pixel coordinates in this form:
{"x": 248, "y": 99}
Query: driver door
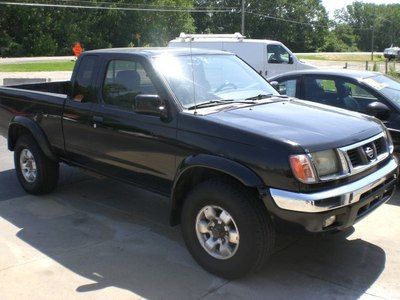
{"x": 134, "y": 147}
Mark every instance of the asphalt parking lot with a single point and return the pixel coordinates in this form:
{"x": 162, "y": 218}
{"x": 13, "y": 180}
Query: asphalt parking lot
{"x": 96, "y": 238}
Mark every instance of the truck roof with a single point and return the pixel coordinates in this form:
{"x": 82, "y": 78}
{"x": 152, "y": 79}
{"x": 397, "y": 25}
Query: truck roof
{"x": 149, "y": 52}
{"x": 355, "y": 74}
{"x": 226, "y": 38}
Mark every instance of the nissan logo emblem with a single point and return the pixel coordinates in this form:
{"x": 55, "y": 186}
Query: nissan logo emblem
{"x": 369, "y": 152}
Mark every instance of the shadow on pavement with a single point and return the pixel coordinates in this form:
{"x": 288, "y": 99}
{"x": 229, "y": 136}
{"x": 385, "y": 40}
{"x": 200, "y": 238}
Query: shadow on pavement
{"x": 3, "y": 132}
{"x": 395, "y": 200}
{"x": 118, "y": 235}
{"x": 9, "y": 186}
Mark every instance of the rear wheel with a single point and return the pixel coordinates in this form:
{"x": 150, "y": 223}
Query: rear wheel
{"x": 35, "y": 171}
{"x": 227, "y": 228}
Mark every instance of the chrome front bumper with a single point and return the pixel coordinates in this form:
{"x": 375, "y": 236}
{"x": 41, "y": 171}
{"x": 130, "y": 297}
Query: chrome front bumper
{"x": 334, "y": 198}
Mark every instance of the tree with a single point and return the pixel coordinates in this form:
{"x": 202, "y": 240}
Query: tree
{"x": 300, "y": 24}
{"x": 363, "y": 17}
{"x": 340, "y": 39}
{"x": 36, "y": 31}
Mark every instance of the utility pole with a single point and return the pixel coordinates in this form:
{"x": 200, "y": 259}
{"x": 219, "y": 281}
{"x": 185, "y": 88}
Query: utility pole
{"x": 391, "y": 34}
{"x": 243, "y": 13}
{"x": 373, "y": 42}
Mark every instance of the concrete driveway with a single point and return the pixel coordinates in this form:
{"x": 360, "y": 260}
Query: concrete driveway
{"x": 96, "y": 238}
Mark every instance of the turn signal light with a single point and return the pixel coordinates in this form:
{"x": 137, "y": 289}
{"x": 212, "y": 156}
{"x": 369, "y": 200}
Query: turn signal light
{"x": 302, "y": 168}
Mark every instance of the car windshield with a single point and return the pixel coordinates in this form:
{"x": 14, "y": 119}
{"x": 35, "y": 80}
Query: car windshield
{"x": 216, "y": 78}
{"x": 388, "y": 86}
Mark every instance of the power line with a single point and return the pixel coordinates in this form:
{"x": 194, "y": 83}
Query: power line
{"x": 283, "y": 19}
{"x": 156, "y": 8}
{"x": 299, "y": 22}
{"x": 140, "y": 5}
{"x": 149, "y": 9}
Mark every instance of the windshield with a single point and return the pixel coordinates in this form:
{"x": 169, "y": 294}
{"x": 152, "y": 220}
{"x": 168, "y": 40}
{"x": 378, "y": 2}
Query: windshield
{"x": 388, "y": 86}
{"x": 216, "y": 78}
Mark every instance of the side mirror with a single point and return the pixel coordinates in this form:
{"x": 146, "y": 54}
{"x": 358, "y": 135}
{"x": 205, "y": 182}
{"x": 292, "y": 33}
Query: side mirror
{"x": 275, "y": 85}
{"x": 378, "y": 110}
{"x": 150, "y": 105}
{"x": 291, "y": 59}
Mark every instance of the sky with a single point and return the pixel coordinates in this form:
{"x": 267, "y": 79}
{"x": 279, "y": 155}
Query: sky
{"x": 331, "y": 5}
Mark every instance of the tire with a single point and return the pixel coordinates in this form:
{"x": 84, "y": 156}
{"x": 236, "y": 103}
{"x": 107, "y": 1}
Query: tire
{"x": 47, "y": 171}
{"x": 249, "y": 217}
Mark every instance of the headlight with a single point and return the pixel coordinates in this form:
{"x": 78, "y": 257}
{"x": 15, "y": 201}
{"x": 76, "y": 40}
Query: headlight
{"x": 326, "y": 163}
{"x": 389, "y": 140}
{"x": 307, "y": 168}
{"x": 302, "y": 168}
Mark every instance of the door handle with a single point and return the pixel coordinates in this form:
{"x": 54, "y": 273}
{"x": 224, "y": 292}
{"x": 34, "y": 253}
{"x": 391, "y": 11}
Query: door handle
{"x": 97, "y": 120}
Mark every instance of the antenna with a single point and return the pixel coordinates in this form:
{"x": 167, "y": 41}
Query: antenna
{"x": 194, "y": 86}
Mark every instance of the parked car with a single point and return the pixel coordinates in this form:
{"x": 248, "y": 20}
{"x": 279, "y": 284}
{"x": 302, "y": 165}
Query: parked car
{"x": 362, "y": 91}
{"x": 267, "y": 57}
{"x": 237, "y": 160}
{"x": 392, "y": 53}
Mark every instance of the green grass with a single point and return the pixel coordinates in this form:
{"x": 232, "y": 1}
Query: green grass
{"x": 38, "y": 66}
{"x": 341, "y": 57}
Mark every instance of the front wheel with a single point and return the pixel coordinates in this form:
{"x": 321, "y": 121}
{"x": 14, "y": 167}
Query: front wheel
{"x": 35, "y": 171}
{"x": 226, "y": 228}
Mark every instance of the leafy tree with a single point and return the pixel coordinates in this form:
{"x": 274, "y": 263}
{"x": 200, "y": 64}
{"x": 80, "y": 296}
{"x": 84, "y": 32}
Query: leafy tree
{"x": 300, "y": 24}
{"x": 51, "y": 31}
{"x": 364, "y": 17}
{"x": 340, "y": 39}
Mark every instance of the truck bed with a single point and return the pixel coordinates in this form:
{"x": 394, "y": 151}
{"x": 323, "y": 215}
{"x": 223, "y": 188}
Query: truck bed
{"x": 57, "y": 87}
{"x": 42, "y": 101}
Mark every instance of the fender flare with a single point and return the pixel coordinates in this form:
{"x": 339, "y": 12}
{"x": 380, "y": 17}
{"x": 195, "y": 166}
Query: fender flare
{"x": 217, "y": 163}
{"x": 36, "y": 132}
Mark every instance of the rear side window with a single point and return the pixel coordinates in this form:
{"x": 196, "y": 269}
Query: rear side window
{"x": 123, "y": 81}
{"x": 288, "y": 87}
{"x": 320, "y": 90}
{"x": 83, "y": 91}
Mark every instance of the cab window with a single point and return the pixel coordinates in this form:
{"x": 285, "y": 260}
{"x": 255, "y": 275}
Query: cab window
{"x": 123, "y": 81}
{"x": 276, "y": 54}
{"x": 83, "y": 86}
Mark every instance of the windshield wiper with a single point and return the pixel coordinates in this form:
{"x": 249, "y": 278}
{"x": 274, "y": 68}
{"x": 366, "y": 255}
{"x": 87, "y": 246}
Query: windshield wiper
{"x": 211, "y": 103}
{"x": 260, "y": 96}
{"x": 265, "y": 96}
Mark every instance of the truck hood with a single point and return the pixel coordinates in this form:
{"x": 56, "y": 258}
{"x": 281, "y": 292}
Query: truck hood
{"x": 310, "y": 125}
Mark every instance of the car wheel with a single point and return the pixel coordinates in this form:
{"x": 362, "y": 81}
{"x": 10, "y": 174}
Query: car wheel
{"x": 35, "y": 171}
{"x": 227, "y": 228}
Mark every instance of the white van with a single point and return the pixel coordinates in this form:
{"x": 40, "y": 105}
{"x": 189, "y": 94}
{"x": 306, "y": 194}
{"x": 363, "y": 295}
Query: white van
{"x": 269, "y": 58}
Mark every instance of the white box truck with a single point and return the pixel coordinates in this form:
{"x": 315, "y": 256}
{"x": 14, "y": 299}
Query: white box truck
{"x": 267, "y": 57}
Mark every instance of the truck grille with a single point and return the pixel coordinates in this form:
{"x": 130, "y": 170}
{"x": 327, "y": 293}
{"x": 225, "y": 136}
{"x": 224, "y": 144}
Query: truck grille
{"x": 354, "y": 157}
{"x": 365, "y": 154}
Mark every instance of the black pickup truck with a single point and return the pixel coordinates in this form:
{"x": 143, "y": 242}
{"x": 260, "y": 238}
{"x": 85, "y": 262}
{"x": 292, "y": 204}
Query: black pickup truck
{"x": 237, "y": 160}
